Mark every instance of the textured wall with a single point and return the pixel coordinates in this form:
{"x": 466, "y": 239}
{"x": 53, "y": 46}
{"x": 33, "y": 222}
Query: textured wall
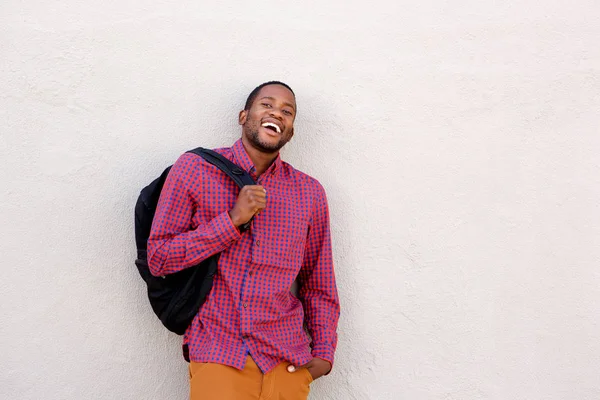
{"x": 458, "y": 142}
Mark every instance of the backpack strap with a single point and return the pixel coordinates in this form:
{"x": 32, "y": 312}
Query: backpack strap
{"x": 234, "y": 171}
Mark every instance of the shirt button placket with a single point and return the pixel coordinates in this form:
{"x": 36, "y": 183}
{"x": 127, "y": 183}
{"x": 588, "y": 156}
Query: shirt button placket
{"x": 245, "y": 325}
{"x": 248, "y": 285}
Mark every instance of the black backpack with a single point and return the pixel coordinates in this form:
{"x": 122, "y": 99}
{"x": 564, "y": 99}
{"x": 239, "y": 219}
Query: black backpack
{"x": 176, "y": 298}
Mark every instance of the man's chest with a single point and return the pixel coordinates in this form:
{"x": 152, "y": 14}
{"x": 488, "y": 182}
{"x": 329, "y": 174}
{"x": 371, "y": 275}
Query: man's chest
{"x": 278, "y": 233}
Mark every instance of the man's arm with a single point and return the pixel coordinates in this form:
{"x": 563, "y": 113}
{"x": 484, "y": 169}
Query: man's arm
{"x": 318, "y": 291}
{"x": 172, "y": 245}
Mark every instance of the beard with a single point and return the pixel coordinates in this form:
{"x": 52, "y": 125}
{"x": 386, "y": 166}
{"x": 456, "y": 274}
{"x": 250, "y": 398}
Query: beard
{"x": 254, "y": 138}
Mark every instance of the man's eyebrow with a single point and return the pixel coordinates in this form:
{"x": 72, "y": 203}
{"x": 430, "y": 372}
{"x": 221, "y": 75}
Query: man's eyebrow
{"x": 285, "y": 102}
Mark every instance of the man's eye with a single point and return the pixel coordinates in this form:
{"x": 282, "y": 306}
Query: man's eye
{"x": 266, "y": 105}
{"x": 287, "y": 112}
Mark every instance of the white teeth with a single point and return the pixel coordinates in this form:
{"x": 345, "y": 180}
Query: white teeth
{"x": 273, "y": 125}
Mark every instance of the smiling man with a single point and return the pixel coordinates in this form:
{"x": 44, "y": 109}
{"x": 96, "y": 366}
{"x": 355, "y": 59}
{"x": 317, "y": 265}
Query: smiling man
{"x": 249, "y": 341}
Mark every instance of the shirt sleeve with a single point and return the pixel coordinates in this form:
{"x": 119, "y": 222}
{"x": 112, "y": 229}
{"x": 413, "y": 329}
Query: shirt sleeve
{"x": 173, "y": 245}
{"x": 318, "y": 290}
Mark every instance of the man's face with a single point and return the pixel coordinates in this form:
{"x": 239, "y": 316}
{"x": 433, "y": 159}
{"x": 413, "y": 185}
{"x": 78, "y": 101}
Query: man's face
{"x": 269, "y": 123}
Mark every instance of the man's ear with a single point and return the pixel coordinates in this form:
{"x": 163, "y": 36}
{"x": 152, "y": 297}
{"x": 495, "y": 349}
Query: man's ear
{"x": 292, "y": 133}
{"x": 243, "y": 116}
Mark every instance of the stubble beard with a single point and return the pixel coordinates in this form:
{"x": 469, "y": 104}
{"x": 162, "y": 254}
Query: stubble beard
{"x": 255, "y": 140}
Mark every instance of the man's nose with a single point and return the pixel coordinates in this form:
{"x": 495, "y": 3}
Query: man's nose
{"x": 276, "y": 113}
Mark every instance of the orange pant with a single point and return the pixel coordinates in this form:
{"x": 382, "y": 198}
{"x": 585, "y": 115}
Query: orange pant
{"x": 210, "y": 381}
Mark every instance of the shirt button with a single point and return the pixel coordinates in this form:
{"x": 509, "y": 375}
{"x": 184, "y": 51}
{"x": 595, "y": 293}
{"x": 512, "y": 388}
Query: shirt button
{"x": 245, "y": 305}
{"x": 250, "y": 273}
{"x": 258, "y": 242}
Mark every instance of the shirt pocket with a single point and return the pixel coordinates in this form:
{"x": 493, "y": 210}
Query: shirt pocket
{"x": 281, "y": 244}
{"x": 286, "y": 249}
{"x": 282, "y": 229}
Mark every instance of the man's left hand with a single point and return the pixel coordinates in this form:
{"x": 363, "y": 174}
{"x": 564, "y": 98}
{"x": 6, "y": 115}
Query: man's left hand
{"x": 317, "y": 367}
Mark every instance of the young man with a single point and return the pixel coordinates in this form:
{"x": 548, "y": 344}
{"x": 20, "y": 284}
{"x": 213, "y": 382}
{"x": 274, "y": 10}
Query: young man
{"x": 248, "y": 340}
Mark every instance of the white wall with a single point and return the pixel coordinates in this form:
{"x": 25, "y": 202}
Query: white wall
{"x": 458, "y": 142}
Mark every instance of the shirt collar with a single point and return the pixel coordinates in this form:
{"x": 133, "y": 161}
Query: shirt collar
{"x": 243, "y": 159}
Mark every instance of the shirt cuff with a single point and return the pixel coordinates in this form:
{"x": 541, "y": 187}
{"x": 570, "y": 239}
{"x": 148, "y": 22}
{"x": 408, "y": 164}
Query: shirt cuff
{"x": 326, "y": 353}
{"x": 224, "y": 228}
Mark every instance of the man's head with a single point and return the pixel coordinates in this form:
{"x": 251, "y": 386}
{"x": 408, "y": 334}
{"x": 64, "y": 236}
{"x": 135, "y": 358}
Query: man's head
{"x": 268, "y": 117}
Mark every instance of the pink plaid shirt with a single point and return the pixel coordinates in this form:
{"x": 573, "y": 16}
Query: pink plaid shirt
{"x": 250, "y": 308}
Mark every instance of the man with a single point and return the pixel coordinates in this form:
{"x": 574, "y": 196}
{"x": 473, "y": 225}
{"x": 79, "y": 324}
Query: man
{"x": 248, "y": 340}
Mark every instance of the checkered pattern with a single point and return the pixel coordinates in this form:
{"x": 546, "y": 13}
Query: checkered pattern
{"x": 250, "y": 308}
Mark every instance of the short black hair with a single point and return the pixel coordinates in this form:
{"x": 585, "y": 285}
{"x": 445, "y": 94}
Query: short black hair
{"x": 254, "y": 93}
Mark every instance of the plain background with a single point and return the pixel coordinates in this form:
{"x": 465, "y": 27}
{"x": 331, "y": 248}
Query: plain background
{"x": 458, "y": 142}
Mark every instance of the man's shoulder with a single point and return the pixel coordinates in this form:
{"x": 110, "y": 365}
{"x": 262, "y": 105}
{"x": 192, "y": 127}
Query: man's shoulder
{"x": 224, "y": 151}
{"x": 303, "y": 178}
{"x": 190, "y": 158}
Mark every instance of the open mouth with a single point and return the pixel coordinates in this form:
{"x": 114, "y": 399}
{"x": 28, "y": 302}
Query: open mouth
{"x": 272, "y": 126}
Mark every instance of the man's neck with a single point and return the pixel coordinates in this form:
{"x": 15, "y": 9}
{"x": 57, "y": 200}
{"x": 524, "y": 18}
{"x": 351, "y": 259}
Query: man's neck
{"x": 262, "y": 161}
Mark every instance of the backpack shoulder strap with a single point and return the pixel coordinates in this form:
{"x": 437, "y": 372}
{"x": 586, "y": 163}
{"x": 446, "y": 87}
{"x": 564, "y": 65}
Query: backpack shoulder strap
{"x": 234, "y": 171}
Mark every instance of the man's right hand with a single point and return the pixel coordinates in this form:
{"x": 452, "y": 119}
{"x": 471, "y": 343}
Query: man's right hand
{"x": 251, "y": 200}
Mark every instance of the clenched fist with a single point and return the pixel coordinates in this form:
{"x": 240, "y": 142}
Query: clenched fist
{"x": 251, "y": 200}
